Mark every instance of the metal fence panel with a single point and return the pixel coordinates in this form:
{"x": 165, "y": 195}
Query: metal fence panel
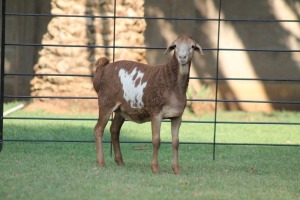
{"x": 217, "y": 79}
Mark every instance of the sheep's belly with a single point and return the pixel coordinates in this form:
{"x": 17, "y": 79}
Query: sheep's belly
{"x": 135, "y": 117}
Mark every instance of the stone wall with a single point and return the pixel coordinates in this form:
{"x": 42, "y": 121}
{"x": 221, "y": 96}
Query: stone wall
{"x": 85, "y": 31}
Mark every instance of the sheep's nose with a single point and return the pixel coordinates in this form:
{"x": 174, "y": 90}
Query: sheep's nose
{"x": 182, "y": 57}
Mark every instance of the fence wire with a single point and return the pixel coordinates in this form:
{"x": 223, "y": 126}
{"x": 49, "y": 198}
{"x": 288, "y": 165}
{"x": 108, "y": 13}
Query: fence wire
{"x": 216, "y": 79}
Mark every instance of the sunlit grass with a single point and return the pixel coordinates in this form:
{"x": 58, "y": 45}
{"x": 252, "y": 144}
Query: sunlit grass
{"x": 39, "y": 170}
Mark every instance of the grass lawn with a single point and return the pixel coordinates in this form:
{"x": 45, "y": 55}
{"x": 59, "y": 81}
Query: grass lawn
{"x": 39, "y": 170}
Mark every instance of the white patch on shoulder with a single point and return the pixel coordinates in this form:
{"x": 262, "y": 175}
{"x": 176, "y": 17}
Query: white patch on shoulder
{"x": 133, "y": 87}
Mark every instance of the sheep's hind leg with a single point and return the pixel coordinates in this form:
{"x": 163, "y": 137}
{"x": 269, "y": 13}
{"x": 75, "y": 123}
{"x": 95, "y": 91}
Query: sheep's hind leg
{"x": 98, "y": 131}
{"x": 115, "y": 135}
{"x": 175, "y": 123}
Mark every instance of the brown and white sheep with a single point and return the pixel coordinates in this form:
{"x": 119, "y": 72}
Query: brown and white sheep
{"x": 141, "y": 93}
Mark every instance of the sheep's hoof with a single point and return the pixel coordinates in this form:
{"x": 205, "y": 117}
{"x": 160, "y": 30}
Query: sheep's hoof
{"x": 120, "y": 163}
{"x": 101, "y": 163}
{"x": 155, "y": 169}
{"x": 176, "y": 170}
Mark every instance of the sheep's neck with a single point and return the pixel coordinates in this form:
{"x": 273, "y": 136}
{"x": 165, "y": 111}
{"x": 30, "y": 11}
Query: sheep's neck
{"x": 180, "y": 73}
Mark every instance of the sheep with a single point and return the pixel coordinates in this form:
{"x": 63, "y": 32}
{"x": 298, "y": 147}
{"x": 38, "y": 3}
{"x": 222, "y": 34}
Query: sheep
{"x": 141, "y": 93}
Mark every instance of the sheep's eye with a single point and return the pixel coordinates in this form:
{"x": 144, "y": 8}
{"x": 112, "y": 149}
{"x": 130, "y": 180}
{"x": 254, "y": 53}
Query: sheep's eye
{"x": 193, "y": 46}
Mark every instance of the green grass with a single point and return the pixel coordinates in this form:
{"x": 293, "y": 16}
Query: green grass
{"x": 37, "y": 170}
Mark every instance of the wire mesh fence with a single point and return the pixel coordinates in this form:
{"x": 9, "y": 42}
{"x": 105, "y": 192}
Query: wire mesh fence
{"x": 215, "y": 122}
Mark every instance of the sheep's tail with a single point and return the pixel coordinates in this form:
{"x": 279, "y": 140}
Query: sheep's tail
{"x": 101, "y": 62}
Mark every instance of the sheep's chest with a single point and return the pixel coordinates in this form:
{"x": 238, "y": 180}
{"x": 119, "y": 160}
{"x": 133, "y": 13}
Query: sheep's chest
{"x": 174, "y": 107}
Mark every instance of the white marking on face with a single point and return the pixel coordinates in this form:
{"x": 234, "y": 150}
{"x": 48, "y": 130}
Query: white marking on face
{"x": 184, "y": 53}
{"x": 133, "y": 87}
{"x": 184, "y": 69}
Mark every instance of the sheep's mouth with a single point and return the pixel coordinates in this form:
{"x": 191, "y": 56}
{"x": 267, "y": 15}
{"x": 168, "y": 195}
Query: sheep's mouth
{"x": 183, "y": 62}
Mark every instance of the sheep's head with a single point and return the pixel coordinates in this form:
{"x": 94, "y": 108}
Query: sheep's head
{"x": 184, "y": 47}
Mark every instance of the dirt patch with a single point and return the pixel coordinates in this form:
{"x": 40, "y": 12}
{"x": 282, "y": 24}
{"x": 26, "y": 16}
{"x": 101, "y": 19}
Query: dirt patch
{"x": 65, "y": 107}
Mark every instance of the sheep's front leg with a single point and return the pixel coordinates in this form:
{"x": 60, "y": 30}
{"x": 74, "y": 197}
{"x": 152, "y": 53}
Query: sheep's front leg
{"x": 155, "y": 123}
{"x": 175, "y": 123}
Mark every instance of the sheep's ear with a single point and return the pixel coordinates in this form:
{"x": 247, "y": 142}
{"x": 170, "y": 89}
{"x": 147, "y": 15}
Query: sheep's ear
{"x": 198, "y": 48}
{"x": 170, "y": 48}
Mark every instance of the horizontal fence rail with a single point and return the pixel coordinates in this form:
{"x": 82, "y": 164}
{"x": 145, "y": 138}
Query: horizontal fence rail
{"x": 195, "y": 100}
{"x": 149, "y": 48}
{"x": 191, "y": 78}
{"x": 217, "y": 79}
{"x": 152, "y": 18}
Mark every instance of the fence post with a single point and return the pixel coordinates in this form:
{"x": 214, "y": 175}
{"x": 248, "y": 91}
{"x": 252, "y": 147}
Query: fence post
{"x": 113, "y": 60}
{"x": 2, "y": 72}
{"x": 217, "y": 82}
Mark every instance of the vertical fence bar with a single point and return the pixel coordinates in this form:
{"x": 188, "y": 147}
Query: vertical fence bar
{"x": 114, "y": 30}
{"x": 217, "y": 82}
{"x": 2, "y": 71}
{"x": 113, "y": 56}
